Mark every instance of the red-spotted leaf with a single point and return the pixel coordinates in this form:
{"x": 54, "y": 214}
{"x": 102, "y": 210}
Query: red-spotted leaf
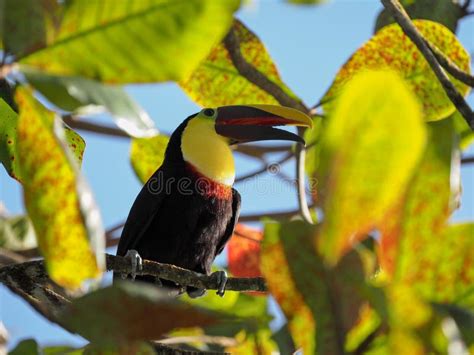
{"x": 320, "y": 303}
{"x": 371, "y": 144}
{"x": 422, "y": 212}
{"x": 8, "y": 140}
{"x": 243, "y": 251}
{"x": 128, "y": 312}
{"x": 217, "y": 82}
{"x": 133, "y": 41}
{"x": 61, "y": 208}
{"x": 391, "y": 49}
{"x": 147, "y": 155}
{"x": 441, "y": 269}
{"x": 8, "y": 122}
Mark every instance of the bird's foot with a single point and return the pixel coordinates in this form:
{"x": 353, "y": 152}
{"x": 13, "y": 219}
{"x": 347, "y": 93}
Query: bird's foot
{"x": 137, "y": 263}
{"x": 221, "y": 277}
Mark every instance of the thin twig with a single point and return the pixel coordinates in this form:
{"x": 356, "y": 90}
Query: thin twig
{"x": 247, "y": 70}
{"x": 75, "y": 122}
{"x": 301, "y": 188}
{"x": 451, "y": 67}
{"x": 272, "y": 215}
{"x": 467, "y": 160}
{"x": 264, "y": 168}
{"x": 398, "y": 12}
{"x": 85, "y": 125}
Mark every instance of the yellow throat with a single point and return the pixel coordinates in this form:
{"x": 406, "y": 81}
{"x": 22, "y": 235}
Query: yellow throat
{"x": 207, "y": 151}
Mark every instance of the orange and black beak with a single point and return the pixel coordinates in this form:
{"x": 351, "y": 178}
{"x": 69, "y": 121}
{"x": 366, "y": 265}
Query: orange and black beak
{"x": 250, "y": 123}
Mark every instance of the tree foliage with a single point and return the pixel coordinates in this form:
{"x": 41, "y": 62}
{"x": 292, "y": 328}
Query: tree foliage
{"x": 383, "y": 271}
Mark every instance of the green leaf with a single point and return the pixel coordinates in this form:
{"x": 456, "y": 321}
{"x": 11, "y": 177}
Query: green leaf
{"x": 128, "y": 312}
{"x": 25, "y": 24}
{"x": 147, "y": 155}
{"x": 370, "y": 148}
{"x": 134, "y": 41}
{"x": 424, "y": 209}
{"x": 464, "y": 319}
{"x": 8, "y": 122}
{"x": 27, "y": 346}
{"x": 391, "y": 49}
{"x": 446, "y": 12}
{"x": 284, "y": 340}
{"x": 16, "y": 233}
{"x": 8, "y": 141}
{"x": 466, "y": 134}
{"x": 62, "y": 210}
{"x": 73, "y": 93}
{"x": 216, "y": 81}
{"x": 321, "y": 304}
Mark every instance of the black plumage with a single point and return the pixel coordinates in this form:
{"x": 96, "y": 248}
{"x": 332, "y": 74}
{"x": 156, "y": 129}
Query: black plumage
{"x": 176, "y": 221}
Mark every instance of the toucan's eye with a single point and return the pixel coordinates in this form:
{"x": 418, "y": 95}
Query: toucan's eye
{"x": 209, "y": 112}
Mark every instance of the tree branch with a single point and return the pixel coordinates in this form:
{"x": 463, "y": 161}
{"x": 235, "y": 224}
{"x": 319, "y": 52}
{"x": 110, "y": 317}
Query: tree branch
{"x": 450, "y": 66}
{"x": 247, "y": 70}
{"x": 398, "y": 12}
{"x": 34, "y": 272}
{"x": 185, "y": 277}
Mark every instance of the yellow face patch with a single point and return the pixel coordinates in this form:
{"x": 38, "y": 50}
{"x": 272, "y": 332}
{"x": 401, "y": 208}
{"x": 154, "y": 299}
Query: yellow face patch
{"x": 208, "y": 152}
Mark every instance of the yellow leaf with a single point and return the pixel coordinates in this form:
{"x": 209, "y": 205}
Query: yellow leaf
{"x": 371, "y": 145}
{"x": 52, "y": 199}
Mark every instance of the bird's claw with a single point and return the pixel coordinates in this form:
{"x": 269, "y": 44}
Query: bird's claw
{"x": 137, "y": 262}
{"x": 221, "y": 277}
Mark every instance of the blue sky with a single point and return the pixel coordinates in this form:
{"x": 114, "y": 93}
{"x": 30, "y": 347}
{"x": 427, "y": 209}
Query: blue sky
{"x": 308, "y": 44}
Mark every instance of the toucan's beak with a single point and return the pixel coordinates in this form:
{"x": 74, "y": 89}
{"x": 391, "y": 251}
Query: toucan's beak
{"x": 252, "y": 123}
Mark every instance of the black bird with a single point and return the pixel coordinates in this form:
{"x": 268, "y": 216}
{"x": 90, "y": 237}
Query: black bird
{"x": 186, "y": 212}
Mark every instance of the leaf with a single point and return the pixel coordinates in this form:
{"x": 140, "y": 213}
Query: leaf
{"x": 61, "y": 208}
{"x": 256, "y": 343}
{"x": 216, "y": 81}
{"x": 73, "y": 93}
{"x": 320, "y": 303}
{"x": 147, "y": 155}
{"x": 466, "y": 135}
{"x": 243, "y": 251}
{"x": 423, "y": 211}
{"x": 391, "y": 49}
{"x": 8, "y": 141}
{"x": 441, "y": 269}
{"x": 463, "y": 318}
{"x": 25, "y": 24}
{"x": 16, "y": 233}
{"x": 27, "y": 346}
{"x": 134, "y": 41}
{"x": 128, "y": 312}
{"x": 445, "y": 12}
{"x": 370, "y": 148}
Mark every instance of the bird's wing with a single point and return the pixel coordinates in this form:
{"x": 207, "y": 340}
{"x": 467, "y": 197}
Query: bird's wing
{"x": 144, "y": 209}
{"x": 232, "y": 222}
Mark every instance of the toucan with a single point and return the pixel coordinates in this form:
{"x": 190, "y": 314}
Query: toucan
{"x": 186, "y": 212}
